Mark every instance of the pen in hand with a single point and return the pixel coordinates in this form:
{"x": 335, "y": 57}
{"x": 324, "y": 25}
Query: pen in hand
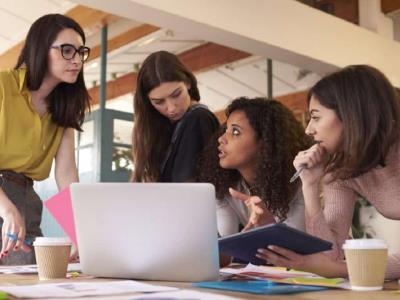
{"x": 301, "y": 168}
{"x": 297, "y": 174}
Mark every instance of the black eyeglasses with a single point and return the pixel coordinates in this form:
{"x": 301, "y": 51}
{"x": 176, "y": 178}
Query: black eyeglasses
{"x": 69, "y": 51}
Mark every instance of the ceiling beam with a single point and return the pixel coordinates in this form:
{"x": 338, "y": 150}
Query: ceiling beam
{"x": 389, "y": 6}
{"x": 296, "y": 102}
{"x": 285, "y": 30}
{"x": 126, "y": 37}
{"x": 199, "y": 59}
{"x": 90, "y": 19}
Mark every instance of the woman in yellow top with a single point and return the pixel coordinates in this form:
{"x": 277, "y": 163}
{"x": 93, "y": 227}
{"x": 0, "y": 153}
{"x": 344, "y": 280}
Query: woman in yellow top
{"x": 42, "y": 101}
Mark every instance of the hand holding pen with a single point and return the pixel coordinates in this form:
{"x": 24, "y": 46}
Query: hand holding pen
{"x": 297, "y": 174}
{"x": 310, "y": 164}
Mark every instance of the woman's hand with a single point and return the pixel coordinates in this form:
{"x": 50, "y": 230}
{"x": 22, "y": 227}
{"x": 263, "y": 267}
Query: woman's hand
{"x": 318, "y": 263}
{"x": 314, "y": 160}
{"x": 259, "y": 213}
{"x": 13, "y": 230}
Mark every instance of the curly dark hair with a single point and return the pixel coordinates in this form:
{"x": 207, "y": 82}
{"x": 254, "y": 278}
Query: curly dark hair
{"x": 280, "y": 137}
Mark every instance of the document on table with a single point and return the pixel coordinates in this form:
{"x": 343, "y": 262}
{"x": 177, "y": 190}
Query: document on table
{"x": 184, "y": 295}
{"x": 32, "y": 269}
{"x": 266, "y": 272}
{"x": 281, "y": 275}
{"x": 82, "y": 289}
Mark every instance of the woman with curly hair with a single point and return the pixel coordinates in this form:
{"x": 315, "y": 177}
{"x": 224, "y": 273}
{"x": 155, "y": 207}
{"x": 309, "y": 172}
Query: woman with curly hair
{"x": 254, "y": 155}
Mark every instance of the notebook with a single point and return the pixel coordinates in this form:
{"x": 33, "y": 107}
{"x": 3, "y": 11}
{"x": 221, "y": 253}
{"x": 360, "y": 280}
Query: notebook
{"x": 152, "y": 231}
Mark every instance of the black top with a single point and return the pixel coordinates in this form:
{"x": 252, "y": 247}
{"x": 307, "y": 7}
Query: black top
{"x": 190, "y": 135}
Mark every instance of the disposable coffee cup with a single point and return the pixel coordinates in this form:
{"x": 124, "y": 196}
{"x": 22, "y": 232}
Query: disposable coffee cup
{"x": 52, "y": 255}
{"x": 366, "y": 263}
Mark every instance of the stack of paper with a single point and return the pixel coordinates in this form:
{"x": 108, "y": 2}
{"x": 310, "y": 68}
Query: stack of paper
{"x": 281, "y": 275}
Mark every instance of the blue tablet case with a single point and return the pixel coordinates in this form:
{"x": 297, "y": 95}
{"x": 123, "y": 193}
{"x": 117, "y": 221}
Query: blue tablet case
{"x": 244, "y": 245}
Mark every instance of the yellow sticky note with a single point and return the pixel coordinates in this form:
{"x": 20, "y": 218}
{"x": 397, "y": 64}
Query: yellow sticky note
{"x": 317, "y": 281}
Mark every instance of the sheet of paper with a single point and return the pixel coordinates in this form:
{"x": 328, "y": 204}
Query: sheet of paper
{"x": 184, "y": 295}
{"x": 281, "y": 275}
{"x": 82, "y": 289}
{"x": 266, "y": 272}
{"x": 60, "y": 207}
{"x": 340, "y": 283}
{"x": 32, "y": 269}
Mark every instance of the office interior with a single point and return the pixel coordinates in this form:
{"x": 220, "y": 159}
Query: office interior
{"x": 251, "y": 48}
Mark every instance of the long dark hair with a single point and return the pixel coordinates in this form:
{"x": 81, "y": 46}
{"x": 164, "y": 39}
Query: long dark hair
{"x": 280, "y": 137}
{"x": 67, "y": 103}
{"x": 151, "y": 133}
{"x": 368, "y": 106}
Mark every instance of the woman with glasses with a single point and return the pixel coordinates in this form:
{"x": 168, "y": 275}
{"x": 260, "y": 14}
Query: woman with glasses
{"x": 171, "y": 127}
{"x": 42, "y": 101}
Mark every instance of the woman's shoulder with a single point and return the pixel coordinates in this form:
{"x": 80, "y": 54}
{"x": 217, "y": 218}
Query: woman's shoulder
{"x": 12, "y": 75}
{"x": 376, "y": 177}
{"x": 200, "y": 110}
{"x": 200, "y": 114}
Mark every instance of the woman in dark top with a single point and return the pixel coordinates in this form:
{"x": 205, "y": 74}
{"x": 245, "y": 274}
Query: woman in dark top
{"x": 170, "y": 127}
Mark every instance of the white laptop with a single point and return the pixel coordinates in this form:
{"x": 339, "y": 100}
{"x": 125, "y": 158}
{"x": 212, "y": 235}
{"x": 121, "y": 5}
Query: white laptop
{"x": 152, "y": 231}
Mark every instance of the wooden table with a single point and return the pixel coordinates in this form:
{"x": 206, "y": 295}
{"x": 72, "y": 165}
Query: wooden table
{"x": 386, "y": 294}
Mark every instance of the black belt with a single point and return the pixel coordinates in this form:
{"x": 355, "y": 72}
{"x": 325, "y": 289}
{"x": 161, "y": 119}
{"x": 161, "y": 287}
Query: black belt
{"x": 17, "y": 178}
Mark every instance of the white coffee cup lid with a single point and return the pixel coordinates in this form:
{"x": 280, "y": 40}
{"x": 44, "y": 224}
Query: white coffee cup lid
{"x": 365, "y": 244}
{"x": 52, "y": 241}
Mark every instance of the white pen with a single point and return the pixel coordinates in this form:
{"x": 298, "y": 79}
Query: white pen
{"x": 297, "y": 174}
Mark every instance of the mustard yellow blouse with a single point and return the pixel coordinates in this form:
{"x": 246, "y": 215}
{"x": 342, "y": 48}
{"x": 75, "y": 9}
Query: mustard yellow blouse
{"x": 28, "y": 142}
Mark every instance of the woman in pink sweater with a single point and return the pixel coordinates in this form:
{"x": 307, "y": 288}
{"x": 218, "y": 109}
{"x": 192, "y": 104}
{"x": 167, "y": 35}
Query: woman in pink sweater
{"x": 355, "y": 122}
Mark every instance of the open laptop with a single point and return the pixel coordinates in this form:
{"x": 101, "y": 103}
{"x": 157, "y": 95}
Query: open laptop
{"x": 152, "y": 231}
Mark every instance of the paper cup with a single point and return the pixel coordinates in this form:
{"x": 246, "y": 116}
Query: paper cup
{"x": 366, "y": 263}
{"x": 52, "y": 255}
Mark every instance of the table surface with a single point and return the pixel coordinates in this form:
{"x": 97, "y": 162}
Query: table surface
{"x": 386, "y": 294}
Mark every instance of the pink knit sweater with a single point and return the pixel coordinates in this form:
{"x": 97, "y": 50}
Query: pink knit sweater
{"x": 380, "y": 186}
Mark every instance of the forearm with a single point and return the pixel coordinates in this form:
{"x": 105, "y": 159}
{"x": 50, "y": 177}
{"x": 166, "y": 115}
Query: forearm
{"x": 66, "y": 176}
{"x": 315, "y": 220}
{"x": 333, "y": 222}
{"x": 66, "y": 171}
{"x": 5, "y": 203}
{"x": 312, "y": 204}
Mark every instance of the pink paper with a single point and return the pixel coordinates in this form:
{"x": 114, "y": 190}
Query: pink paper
{"x": 60, "y": 207}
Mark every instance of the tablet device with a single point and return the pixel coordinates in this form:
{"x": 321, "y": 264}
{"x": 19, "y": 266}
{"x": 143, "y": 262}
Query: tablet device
{"x": 244, "y": 245}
